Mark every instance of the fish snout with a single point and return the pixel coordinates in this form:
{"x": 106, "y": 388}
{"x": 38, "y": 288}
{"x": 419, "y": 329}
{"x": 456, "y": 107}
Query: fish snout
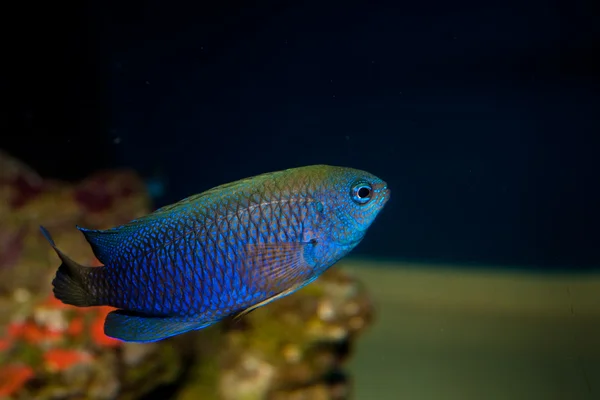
{"x": 384, "y": 191}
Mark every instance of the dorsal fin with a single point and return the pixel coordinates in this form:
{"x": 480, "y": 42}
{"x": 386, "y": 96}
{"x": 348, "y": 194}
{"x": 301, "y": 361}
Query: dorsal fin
{"x": 105, "y": 243}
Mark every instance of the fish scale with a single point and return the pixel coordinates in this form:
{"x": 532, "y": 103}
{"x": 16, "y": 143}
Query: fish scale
{"x": 223, "y": 252}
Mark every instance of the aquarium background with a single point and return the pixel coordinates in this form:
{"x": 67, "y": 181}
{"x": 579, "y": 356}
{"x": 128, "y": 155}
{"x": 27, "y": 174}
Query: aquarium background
{"x": 482, "y": 117}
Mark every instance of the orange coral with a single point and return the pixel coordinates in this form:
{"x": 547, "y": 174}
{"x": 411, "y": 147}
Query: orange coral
{"x": 76, "y": 326}
{"x": 53, "y": 302}
{"x": 5, "y": 344}
{"x": 33, "y": 333}
{"x": 97, "y": 329}
{"x": 13, "y": 377}
{"x": 61, "y": 359}
{"x": 15, "y": 329}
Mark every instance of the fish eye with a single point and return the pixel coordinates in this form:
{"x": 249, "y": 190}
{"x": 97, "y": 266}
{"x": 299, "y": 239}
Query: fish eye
{"x": 361, "y": 193}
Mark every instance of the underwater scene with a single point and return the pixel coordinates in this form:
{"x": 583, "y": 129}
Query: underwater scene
{"x": 280, "y": 200}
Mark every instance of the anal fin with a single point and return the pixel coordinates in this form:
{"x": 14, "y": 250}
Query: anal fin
{"x": 133, "y": 327}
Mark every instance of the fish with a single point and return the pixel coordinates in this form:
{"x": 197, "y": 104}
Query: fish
{"x": 221, "y": 253}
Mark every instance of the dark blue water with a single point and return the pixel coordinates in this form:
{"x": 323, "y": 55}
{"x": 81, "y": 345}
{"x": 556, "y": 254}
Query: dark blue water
{"x": 482, "y": 118}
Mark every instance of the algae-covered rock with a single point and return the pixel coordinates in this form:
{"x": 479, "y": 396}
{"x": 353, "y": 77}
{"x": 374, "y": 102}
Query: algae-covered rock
{"x": 293, "y": 348}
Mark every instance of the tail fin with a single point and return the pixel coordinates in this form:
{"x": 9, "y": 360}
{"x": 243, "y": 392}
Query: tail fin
{"x": 70, "y": 283}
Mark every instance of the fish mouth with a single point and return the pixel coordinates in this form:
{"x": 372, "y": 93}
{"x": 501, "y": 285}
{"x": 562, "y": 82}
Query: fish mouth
{"x": 383, "y": 188}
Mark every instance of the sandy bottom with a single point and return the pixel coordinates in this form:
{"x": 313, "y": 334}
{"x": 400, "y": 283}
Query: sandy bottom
{"x": 443, "y": 333}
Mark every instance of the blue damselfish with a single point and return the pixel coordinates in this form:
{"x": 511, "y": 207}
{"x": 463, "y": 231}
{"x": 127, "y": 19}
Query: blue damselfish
{"x": 222, "y": 253}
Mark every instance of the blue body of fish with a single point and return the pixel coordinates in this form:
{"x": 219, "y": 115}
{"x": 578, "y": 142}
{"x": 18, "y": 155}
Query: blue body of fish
{"x": 223, "y": 252}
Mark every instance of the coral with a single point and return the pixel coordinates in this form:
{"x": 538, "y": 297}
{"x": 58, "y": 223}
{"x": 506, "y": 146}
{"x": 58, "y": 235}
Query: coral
{"x": 48, "y": 349}
{"x": 294, "y": 348}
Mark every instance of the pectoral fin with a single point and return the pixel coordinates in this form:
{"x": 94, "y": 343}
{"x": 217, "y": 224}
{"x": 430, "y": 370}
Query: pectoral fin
{"x": 277, "y": 270}
{"x": 278, "y": 266}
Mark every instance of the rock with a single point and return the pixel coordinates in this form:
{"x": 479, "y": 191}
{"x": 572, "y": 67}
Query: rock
{"x": 289, "y": 349}
{"x": 294, "y": 348}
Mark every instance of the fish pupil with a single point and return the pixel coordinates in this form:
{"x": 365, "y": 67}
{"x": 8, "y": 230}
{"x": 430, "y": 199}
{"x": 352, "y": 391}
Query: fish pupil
{"x": 364, "y": 192}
